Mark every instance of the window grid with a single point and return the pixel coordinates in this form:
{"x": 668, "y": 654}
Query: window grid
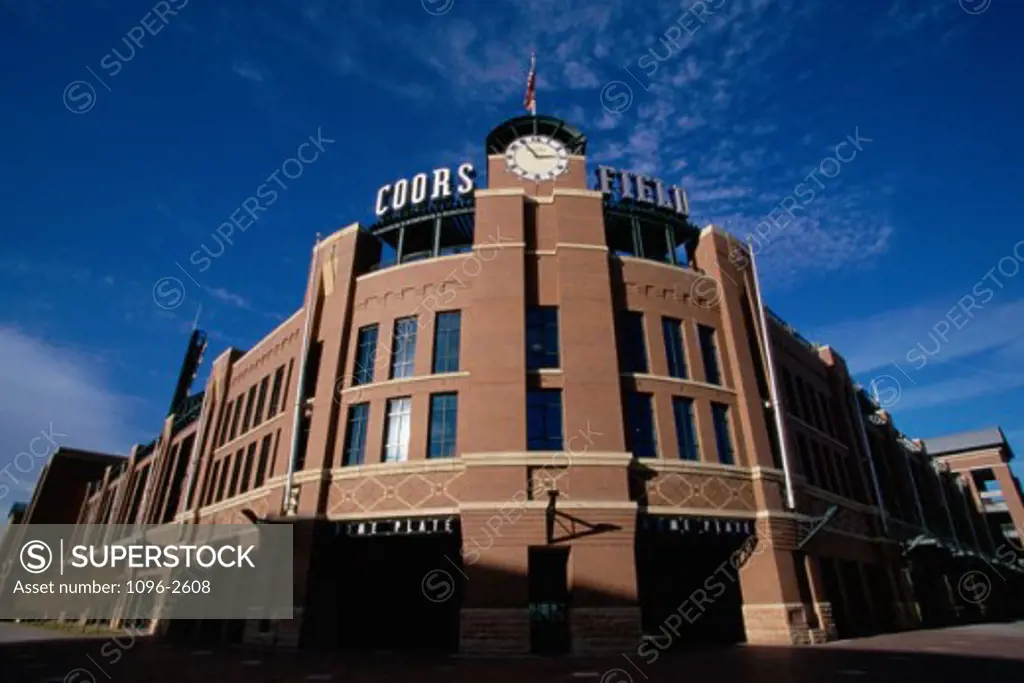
{"x": 236, "y": 471}
{"x": 396, "y": 444}
{"x": 709, "y": 354}
{"x": 723, "y": 439}
{"x": 211, "y": 492}
{"x": 275, "y": 393}
{"x": 261, "y": 467}
{"x": 642, "y": 437}
{"x": 235, "y": 418}
{"x": 260, "y": 401}
{"x": 634, "y": 348}
{"x": 541, "y": 337}
{"x": 225, "y": 423}
{"x": 249, "y": 401}
{"x": 366, "y": 352}
{"x": 686, "y": 433}
{"x": 403, "y": 352}
{"x": 223, "y": 477}
{"x": 355, "y": 437}
{"x": 447, "y": 335}
{"x": 443, "y": 425}
{"x": 544, "y": 420}
{"x": 672, "y": 329}
{"x": 247, "y": 469}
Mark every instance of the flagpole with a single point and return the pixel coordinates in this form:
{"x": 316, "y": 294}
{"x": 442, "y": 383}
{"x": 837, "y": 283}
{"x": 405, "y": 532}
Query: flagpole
{"x": 533, "y": 70}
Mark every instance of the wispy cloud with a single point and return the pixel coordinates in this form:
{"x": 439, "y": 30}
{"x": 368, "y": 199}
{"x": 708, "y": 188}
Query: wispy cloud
{"x": 229, "y": 298}
{"x": 248, "y": 72}
{"x": 239, "y": 302}
{"x": 46, "y": 390}
{"x": 877, "y": 340}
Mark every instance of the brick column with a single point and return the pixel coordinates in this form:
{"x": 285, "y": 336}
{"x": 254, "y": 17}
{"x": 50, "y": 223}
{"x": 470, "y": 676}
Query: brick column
{"x": 494, "y": 618}
{"x": 604, "y": 616}
{"x": 773, "y": 612}
{"x": 287, "y": 632}
{"x": 333, "y": 283}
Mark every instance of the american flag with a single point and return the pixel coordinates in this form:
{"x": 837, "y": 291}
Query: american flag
{"x": 530, "y": 100}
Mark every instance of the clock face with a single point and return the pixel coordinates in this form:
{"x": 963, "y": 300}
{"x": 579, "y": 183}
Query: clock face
{"x": 537, "y": 157}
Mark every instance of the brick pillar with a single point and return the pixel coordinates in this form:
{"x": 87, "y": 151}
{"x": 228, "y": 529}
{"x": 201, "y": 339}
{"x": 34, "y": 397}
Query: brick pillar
{"x": 287, "y": 632}
{"x": 494, "y": 618}
{"x": 773, "y": 612}
{"x": 494, "y": 330}
{"x": 333, "y": 282}
{"x": 604, "y": 616}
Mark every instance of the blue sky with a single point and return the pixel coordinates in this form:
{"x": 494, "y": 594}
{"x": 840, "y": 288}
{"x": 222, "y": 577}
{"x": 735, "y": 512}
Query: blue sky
{"x": 117, "y": 166}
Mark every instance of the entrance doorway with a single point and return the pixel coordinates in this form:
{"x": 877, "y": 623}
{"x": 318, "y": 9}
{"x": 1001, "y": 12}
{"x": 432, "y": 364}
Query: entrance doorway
{"x": 549, "y": 600}
{"x": 392, "y": 591}
{"x": 683, "y": 569}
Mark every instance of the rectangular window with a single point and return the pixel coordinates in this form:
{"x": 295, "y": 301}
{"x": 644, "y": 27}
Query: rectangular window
{"x": 396, "y": 443}
{"x": 250, "y": 454}
{"x": 838, "y": 472}
{"x": 403, "y": 351}
{"x": 686, "y": 433}
{"x": 225, "y": 422}
{"x": 825, "y": 480}
{"x": 672, "y": 330}
{"x": 633, "y": 348}
{"x": 643, "y": 442}
{"x": 805, "y": 407}
{"x": 830, "y": 414}
{"x": 541, "y": 337}
{"x": 806, "y": 463}
{"x": 709, "y": 354}
{"x": 222, "y": 482}
{"x": 273, "y": 454}
{"x": 261, "y": 466}
{"x": 444, "y": 410}
{"x": 235, "y": 419}
{"x": 249, "y": 401}
{"x": 287, "y": 384}
{"x": 723, "y": 439}
{"x": 211, "y": 491}
{"x": 447, "y": 333}
{"x": 791, "y": 404}
{"x": 355, "y": 434}
{"x": 544, "y": 420}
{"x": 816, "y": 415}
{"x": 236, "y": 471}
{"x": 275, "y": 393}
{"x": 366, "y": 354}
{"x": 261, "y": 399}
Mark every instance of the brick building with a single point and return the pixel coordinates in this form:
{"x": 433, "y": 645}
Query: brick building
{"x": 538, "y": 416}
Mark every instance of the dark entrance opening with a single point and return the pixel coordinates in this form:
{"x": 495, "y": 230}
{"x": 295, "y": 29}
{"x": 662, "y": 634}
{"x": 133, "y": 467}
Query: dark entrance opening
{"x": 689, "y": 592}
{"x": 882, "y": 598}
{"x": 859, "y": 613}
{"x": 549, "y": 600}
{"x": 394, "y": 585}
{"x": 833, "y": 593}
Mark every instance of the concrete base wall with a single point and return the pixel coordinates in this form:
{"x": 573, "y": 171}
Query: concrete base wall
{"x": 604, "y": 630}
{"x": 787, "y": 624}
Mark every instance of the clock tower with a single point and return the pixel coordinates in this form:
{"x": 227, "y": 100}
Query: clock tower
{"x": 537, "y": 154}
